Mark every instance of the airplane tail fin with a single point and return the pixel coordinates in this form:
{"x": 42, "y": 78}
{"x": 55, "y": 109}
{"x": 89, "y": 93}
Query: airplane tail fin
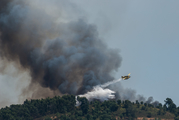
{"x": 129, "y": 74}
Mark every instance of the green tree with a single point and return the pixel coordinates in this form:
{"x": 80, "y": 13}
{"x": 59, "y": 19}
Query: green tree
{"x": 113, "y": 106}
{"x": 143, "y": 108}
{"x": 84, "y": 104}
{"x": 149, "y": 114}
{"x": 89, "y": 117}
{"x": 145, "y": 104}
{"x": 177, "y": 118}
{"x": 119, "y": 102}
{"x": 105, "y": 117}
{"x": 137, "y": 102}
{"x": 48, "y": 118}
{"x": 130, "y": 110}
{"x": 170, "y": 105}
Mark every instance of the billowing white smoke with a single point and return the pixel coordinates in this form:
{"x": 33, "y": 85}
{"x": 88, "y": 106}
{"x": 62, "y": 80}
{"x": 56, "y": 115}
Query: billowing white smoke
{"x": 99, "y": 92}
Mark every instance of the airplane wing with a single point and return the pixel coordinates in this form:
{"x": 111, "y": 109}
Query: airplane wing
{"x": 129, "y": 74}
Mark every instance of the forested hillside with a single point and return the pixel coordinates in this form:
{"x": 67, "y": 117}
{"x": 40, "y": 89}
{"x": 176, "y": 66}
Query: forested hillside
{"x": 63, "y": 108}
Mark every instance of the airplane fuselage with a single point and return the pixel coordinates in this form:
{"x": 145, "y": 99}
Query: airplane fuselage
{"x": 125, "y": 77}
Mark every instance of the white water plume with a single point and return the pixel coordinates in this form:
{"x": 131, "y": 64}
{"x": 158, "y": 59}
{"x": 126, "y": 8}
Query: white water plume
{"x": 99, "y": 93}
{"x": 109, "y": 83}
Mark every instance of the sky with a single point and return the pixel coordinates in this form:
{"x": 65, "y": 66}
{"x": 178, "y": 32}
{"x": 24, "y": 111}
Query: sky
{"x": 146, "y": 34}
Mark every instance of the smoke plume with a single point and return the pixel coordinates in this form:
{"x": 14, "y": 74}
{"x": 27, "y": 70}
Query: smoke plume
{"x": 52, "y": 43}
{"x": 61, "y": 53}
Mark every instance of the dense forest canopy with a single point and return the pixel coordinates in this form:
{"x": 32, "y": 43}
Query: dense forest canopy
{"x": 64, "y": 108}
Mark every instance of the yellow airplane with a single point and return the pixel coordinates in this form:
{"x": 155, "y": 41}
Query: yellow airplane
{"x": 126, "y": 77}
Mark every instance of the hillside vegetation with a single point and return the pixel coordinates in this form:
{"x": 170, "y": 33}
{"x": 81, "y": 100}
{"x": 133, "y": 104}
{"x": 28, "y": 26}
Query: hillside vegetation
{"x": 63, "y": 108}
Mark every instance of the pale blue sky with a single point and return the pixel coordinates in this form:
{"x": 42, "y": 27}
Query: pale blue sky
{"x": 147, "y": 34}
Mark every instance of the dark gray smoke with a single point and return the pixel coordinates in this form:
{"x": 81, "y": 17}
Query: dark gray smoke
{"x": 150, "y": 101}
{"x": 61, "y": 53}
{"x": 126, "y": 93}
{"x": 130, "y": 94}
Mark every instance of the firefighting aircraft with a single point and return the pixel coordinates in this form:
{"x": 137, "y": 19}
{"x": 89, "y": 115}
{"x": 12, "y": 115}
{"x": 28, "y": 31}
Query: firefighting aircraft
{"x": 126, "y": 77}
